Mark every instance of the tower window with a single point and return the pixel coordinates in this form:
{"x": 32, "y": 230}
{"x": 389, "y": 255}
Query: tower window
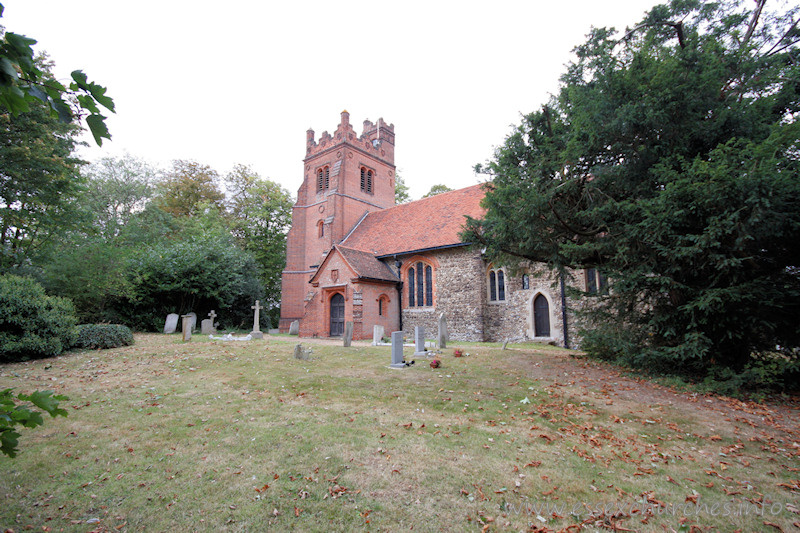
{"x": 367, "y": 176}
{"x": 323, "y": 178}
{"x": 320, "y": 229}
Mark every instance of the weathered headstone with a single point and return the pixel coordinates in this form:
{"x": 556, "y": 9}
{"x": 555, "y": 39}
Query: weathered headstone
{"x": 186, "y": 327}
{"x": 294, "y": 328}
{"x": 213, "y": 315}
{"x": 302, "y": 353}
{"x": 207, "y": 326}
{"x": 377, "y": 334}
{"x": 442, "y": 338}
{"x": 274, "y": 331}
{"x": 397, "y": 350}
{"x": 505, "y": 344}
{"x": 348, "y": 334}
{"x": 193, "y": 321}
{"x": 256, "y": 333}
{"x": 419, "y": 340}
{"x": 171, "y": 324}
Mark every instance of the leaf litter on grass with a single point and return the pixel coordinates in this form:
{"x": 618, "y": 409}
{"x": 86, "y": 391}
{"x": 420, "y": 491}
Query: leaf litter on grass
{"x": 240, "y": 437}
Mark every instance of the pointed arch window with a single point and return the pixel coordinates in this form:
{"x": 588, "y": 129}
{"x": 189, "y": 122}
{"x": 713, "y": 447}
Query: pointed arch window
{"x": 420, "y": 285}
{"x": 320, "y": 229}
{"x": 323, "y": 178}
{"x": 367, "y": 176}
{"x": 497, "y": 285}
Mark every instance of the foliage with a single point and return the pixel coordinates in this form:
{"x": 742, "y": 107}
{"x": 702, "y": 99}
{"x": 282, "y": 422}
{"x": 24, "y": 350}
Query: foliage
{"x": 117, "y": 189}
{"x": 39, "y": 181}
{"x": 103, "y": 336}
{"x": 188, "y": 187}
{"x": 33, "y": 324}
{"x": 260, "y": 215}
{"x": 669, "y": 160}
{"x": 401, "y": 194}
{"x": 23, "y": 82}
{"x": 437, "y": 189}
{"x": 194, "y": 274}
{"x": 13, "y": 414}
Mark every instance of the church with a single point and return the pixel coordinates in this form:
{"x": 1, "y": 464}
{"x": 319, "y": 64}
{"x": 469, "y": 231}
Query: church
{"x": 352, "y": 255}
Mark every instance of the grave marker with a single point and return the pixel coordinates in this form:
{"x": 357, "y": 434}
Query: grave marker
{"x": 256, "y": 333}
{"x": 171, "y": 324}
{"x": 397, "y": 350}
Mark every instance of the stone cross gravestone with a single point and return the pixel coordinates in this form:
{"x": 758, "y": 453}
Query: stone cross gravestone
{"x": 442, "y": 339}
{"x": 256, "y": 333}
{"x": 294, "y": 328}
{"x": 397, "y": 350}
{"x": 419, "y": 340}
{"x": 377, "y": 334}
{"x": 171, "y": 324}
{"x": 186, "y": 327}
{"x": 348, "y": 334}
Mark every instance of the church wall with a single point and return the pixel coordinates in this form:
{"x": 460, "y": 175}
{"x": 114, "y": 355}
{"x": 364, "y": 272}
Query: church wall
{"x": 459, "y": 295}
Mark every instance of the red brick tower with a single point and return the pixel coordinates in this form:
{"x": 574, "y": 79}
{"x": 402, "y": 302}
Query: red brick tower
{"x": 345, "y": 177}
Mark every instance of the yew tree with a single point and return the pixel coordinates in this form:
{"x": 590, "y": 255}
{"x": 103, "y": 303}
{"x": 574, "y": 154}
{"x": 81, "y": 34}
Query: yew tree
{"x": 669, "y": 161}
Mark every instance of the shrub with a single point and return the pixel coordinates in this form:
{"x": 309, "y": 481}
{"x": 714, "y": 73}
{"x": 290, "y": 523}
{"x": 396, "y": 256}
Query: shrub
{"x": 103, "y": 336}
{"x": 32, "y": 324}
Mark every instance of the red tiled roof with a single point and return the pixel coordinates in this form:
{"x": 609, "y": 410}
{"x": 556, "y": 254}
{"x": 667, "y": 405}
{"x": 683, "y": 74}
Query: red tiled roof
{"x": 433, "y": 222}
{"x": 365, "y": 264}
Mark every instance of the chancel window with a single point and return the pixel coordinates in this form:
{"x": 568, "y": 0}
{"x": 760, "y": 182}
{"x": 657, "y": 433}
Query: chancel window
{"x": 596, "y": 281}
{"x": 420, "y": 285}
{"x": 497, "y": 285}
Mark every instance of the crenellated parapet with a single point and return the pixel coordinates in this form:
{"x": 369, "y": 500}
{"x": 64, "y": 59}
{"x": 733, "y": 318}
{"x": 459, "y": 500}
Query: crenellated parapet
{"x": 377, "y": 140}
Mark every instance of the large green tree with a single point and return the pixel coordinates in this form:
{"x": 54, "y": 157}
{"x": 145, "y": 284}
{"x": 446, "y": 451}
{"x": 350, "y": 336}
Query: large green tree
{"x": 260, "y": 215}
{"x": 39, "y": 179}
{"x": 669, "y": 160}
{"x": 189, "y": 187}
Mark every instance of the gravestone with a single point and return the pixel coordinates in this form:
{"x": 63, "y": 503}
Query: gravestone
{"x": 397, "y": 350}
{"x": 207, "y": 326}
{"x": 256, "y": 333}
{"x": 377, "y": 334}
{"x": 348, "y": 334}
{"x": 419, "y": 340}
{"x": 274, "y": 331}
{"x": 186, "y": 327}
{"x": 302, "y": 353}
{"x": 442, "y": 339}
{"x": 171, "y": 323}
{"x": 192, "y": 322}
{"x": 294, "y": 328}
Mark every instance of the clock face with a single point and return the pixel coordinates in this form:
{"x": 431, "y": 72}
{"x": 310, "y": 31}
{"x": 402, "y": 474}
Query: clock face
{"x": 376, "y": 143}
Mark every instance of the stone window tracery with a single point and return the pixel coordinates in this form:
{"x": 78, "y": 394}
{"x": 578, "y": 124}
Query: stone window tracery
{"x": 497, "y": 285}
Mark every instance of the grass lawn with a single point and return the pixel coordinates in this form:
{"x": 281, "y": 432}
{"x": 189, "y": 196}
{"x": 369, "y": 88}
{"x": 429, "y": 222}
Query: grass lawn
{"x": 240, "y": 436}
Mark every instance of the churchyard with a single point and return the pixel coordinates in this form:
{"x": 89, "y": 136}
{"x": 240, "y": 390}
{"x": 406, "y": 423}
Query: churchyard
{"x": 243, "y": 436}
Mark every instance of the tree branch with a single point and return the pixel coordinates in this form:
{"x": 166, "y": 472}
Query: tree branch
{"x": 751, "y": 27}
{"x": 678, "y": 26}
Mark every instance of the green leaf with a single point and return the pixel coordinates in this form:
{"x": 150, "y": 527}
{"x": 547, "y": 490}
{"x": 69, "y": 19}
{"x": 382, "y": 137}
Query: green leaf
{"x": 9, "y": 440}
{"x": 97, "y": 126}
{"x": 46, "y": 401}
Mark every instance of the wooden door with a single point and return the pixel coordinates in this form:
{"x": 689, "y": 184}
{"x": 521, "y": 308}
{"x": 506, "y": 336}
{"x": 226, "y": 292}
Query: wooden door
{"x": 337, "y": 315}
{"x": 541, "y": 316}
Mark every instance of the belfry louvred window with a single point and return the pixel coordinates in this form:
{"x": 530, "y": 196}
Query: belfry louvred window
{"x": 367, "y": 176}
{"x": 323, "y": 178}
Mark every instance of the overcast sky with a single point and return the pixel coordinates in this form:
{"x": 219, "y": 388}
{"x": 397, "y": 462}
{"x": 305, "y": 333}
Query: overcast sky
{"x": 241, "y": 81}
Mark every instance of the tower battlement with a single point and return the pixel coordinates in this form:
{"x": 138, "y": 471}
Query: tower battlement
{"x": 377, "y": 140}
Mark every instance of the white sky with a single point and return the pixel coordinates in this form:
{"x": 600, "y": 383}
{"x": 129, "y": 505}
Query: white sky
{"x": 241, "y": 81}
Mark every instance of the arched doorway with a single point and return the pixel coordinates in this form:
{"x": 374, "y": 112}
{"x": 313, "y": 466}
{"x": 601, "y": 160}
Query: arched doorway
{"x": 541, "y": 316}
{"x": 337, "y": 315}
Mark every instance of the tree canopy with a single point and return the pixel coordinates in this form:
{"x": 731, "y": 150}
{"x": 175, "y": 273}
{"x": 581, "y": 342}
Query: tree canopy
{"x": 669, "y": 161}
